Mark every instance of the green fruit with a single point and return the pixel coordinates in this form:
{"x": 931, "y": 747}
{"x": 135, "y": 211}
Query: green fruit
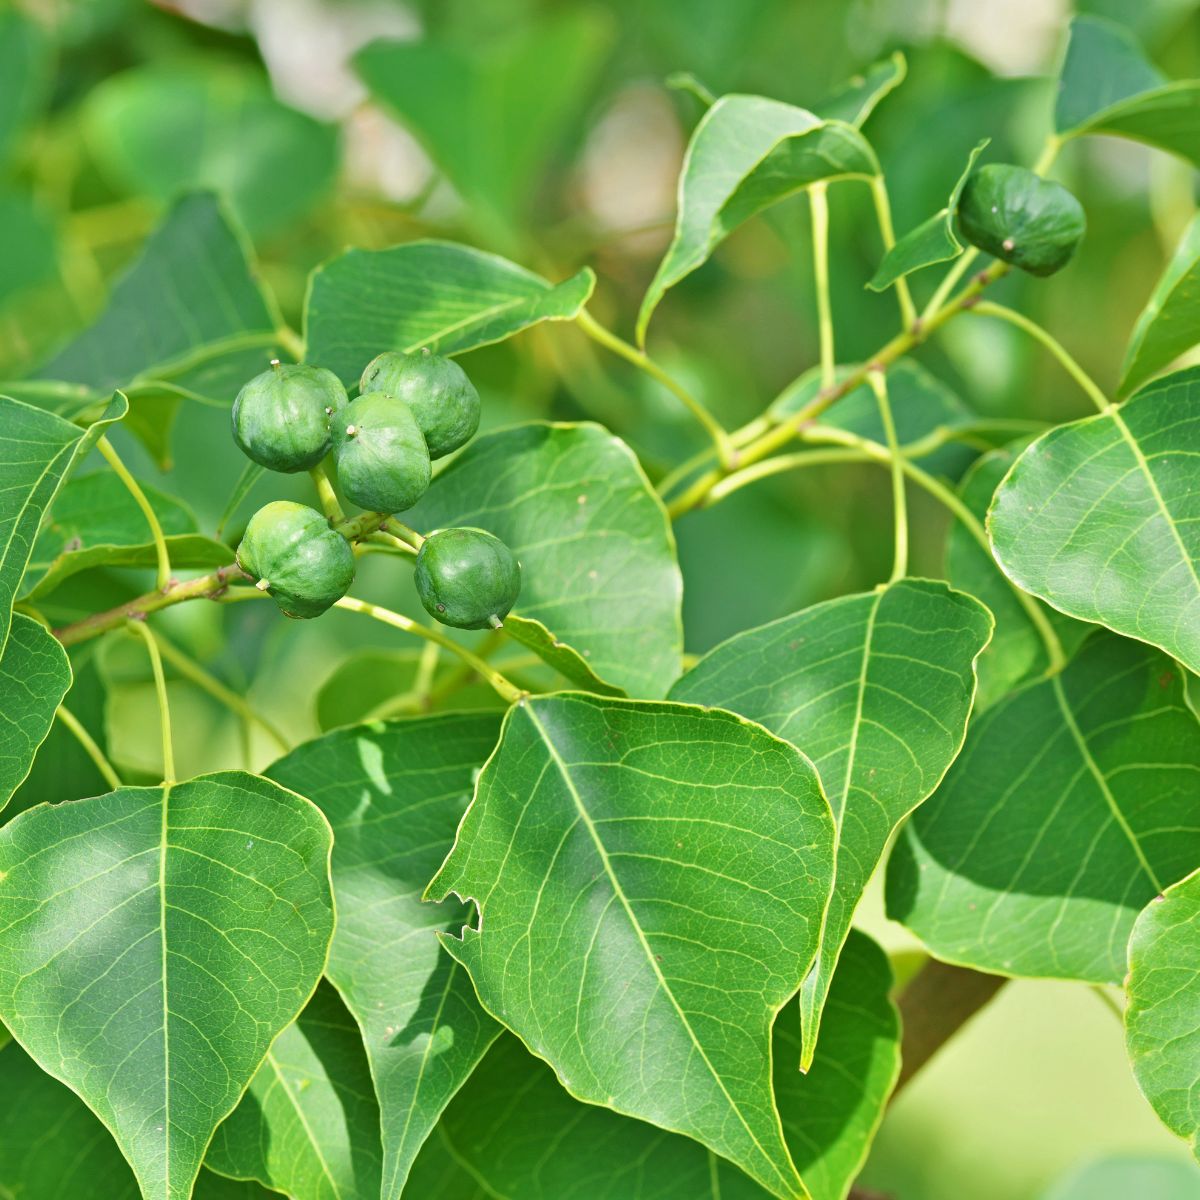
{"x": 467, "y": 578}
{"x": 441, "y": 397}
{"x": 295, "y": 558}
{"x": 1022, "y": 219}
{"x": 382, "y": 461}
{"x": 281, "y": 417}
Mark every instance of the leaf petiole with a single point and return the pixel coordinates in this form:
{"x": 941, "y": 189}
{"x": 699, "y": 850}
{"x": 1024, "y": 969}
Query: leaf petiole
{"x": 160, "y": 688}
{"x": 162, "y": 555}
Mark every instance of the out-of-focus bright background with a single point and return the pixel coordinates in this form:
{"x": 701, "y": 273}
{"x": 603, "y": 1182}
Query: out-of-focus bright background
{"x": 546, "y": 131}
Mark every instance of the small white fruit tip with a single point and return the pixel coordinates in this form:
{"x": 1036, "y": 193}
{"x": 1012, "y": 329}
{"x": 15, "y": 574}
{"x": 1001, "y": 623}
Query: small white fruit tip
{"x": 262, "y": 585}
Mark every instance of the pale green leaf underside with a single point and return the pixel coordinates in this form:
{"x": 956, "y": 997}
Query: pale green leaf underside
{"x": 440, "y": 295}
{"x": 1162, "y": 1017}
{"x": 1072, "y": 804}
{"x": 1101, "y": 518}
{"x": 394, "y": 793}
{"x": 650, "y": 880}
{"x": 596, "y": 550}
{"x": 153, "y": 942}
{"x": 746, "y": 154}
{"x": 876, "y": 689}
{"x": 309, "y": 1124}
{"x": 494, "y": 1135}
{"x": 34, "y": 676}
{"x": 1169, "y": 325}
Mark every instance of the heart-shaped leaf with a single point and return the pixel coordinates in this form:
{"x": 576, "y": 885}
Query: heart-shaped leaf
{"x": 651, "y": 880}
{"x": 394, "y": 793}
{"x": 1108, "y": 86}
{"x": 605, "y": 580}
{"x": 34, "y": 677}
{"x": 1162, "y": 1018}
{"x": 1072, "y": 804}
{"x": 309, "y": 1124}
{"x": 1101, "y": 518}
{"x": 746, "y": 154}
{"x": 1168, "y": 324}
{"x": 439, "y": 295}
{"x": 156, "y": 940}
{"x": 876, "y": 689}
{"x": 493, "y": 1134}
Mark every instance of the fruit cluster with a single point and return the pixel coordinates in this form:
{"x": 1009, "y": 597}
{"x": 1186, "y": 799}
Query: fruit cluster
{"x": 411, "y": 409}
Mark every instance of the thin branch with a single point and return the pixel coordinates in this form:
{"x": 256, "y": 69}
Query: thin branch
{"x": 134, "y": 488}
{"x": 160, "y": 689}
{"x": 878, "y": 382}
{"x": 819, "y": 202}
{"x": 330, "y": 505}
{"x": 883, "y": 213}
{"x": 89, "y": 745}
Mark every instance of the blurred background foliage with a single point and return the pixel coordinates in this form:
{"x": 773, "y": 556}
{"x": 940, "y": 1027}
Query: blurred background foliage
{"x": 545, "y": 130}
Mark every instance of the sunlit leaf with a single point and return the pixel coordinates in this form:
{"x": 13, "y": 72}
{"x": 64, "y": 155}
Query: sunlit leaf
{"x": 876, "y": 689}
{"x": 651, "y": 880}
{"x": 394, "y": 794}
{"x": 1072, "y": 804}
{"x": 555, "y": 653}
{"x": 596, "y": 551}
{"x": 1162, "y": 1018}
{"x": 156, "y": 940}
{"x": 1101, "y": 517}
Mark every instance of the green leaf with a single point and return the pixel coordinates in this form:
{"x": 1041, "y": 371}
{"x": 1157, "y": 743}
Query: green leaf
{"x": 650, "y": 880}
{"x": 394, "y": 793}
{"x": 28, "y": 243}
{"x": 156, "y": 940}
{"x": 567, "y": 662}
{"x": 193, "y": 291}
{"x": 856, "y": 99}
{"x": 876, "y": 689}
{"x": 447, "y": 297}
{"x": 34, "y": 676}
{"x": 1016, "y": 651}
{"x": 1072, "y": 804}
{"x": 309, "y": 1124}
{"x": 1162, "y": 1017}
{"x": 1108, "y": 86}
{"x": 1168, "y": 324}
{"x": 746, "y": 154}
{"x": 1101, "y": 518}
{"x": 24, "y": 73}
{"x": 94, "y": 522}
{"x": 493, "y": 1135}
{"x": 597, "y": 553}
{"x": 491, "y": 110}
{"x": 933, "y": 241}
{"x": 1123, "y": 1176}
{"x": 36, "y": 451}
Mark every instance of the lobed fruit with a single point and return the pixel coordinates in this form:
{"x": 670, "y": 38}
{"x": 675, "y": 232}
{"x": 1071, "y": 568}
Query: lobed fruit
{"x": 281, "y": 418}
{"x": 1009, "y": 212}
{"x": 382, "y": 460}
{"x": 467, "y": 577}
{"x": 437, "y": 390}
{"x": 294, "y": 556}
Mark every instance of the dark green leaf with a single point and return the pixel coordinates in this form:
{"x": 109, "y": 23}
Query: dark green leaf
{"x": 569, "y": 663}
{"x": 157, "y": 939}
{"x": 1072, "y": 805}
{"x": 651, "y": 880}
{"x": 394, "y": 794}
{"x": 596, "y": 551}
{"x": 1162, "y": 1018}
{"x": 28, "y": 245}
{"x": 24, "y": 73}
{"x": 447, "y": 297}
{"x": 309, "y": 1124}
{"x": 876, "y": 689}
{"x": 1101, "y": 518}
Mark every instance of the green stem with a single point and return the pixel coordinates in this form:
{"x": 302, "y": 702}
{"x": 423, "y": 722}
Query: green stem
{"x": 506, "y": 690}
{"x": 819, "y": 201}
{"x": 883, "y": 212}
{"x": 878, "y": 382}
{"x": 354, "y": 528}
{"x": 1105, "y": 998}
{"x": 782, "y": 462}
{"x": 386, "y": 542}
{"x": 93, "y": 751}
{"x": 949, "y": 283}
{"x": 1048, "y": 155}
{"x": 631, "y": 354}
{"x": 987, "y": 309}
{"x": 160, "y": 687}
{"x": 403, "y": 533}
{"x": 291, "y": 341}
{"x": 190, "y": 669}
{"x": 330, "y": 505}
{"x": 134, "y": 488}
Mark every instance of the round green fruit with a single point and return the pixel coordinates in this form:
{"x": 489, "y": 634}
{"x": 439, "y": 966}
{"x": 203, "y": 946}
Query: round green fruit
{"x": 293, "y": 556}
{"x": 281, "y": 417}
{"x": 441, "y": 397}
{"x": 467, "y": 578}
{"x": 1022, "y": 219}
{"x": 382, "y": 460}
